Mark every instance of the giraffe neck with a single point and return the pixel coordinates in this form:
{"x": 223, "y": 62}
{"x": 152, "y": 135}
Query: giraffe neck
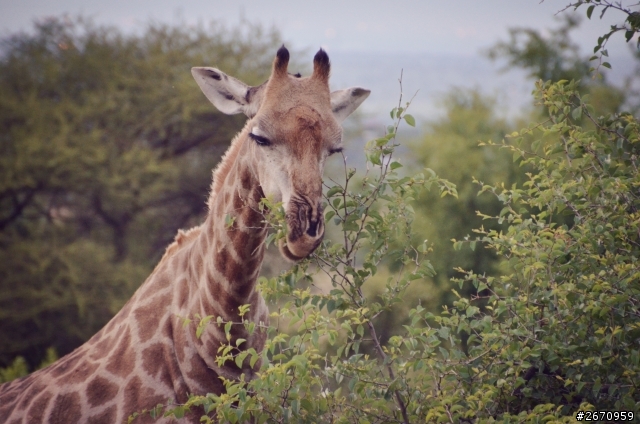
{"x": 230, "y": 247}
{"x": 232, "y": 239}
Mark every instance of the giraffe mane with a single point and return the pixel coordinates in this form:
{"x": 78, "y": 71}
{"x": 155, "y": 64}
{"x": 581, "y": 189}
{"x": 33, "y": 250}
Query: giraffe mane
{"x": 181, "y": 238}
{"x": 226, "y": 162}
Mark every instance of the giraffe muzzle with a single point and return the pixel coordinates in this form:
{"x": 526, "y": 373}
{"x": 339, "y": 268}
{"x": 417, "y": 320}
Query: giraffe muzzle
{"x": 305, "y": 226}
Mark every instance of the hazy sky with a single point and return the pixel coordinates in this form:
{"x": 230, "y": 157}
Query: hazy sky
{"x": 459, "y": 27}
{"x": 437, "y": 43}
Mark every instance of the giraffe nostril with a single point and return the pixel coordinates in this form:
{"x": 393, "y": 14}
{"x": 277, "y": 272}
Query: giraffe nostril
{"x": 313, "y": 228}
{"x": 314, "y": 220}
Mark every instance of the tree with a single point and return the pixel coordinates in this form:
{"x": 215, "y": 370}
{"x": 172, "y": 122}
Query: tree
{"x": 556, "y": 57}
{"x": 106, "y": 149}
{"x": 450, "y": 148}
{"x": 450, "y": 145}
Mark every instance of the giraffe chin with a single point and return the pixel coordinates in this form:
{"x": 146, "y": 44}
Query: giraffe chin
{"x": 299, "y": 249}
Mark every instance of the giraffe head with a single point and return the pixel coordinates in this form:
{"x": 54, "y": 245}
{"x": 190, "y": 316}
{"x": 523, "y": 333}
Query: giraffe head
{"x": 294, "y": 126}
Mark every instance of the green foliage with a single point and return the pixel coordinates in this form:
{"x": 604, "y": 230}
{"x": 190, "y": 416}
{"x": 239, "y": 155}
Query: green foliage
{"x": 19, "y": 367}
{"x": 450, "y": 148}
{"x": 324, "y": 341}
{"x": 555, "y": 334}
{"x": 630, "y": 26}
{"x": 561, "y": 328}
{"x": 106, "y": 149}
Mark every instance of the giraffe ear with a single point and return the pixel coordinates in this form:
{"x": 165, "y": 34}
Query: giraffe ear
{"x": 344, "y": 102}
{"x": 228, "y": 95}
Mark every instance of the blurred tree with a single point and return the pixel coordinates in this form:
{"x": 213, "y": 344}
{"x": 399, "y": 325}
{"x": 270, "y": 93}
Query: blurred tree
{"x": 106, "y": 149}
{"x": 552, "y": 57}
{"x": 450, "y": 145}
{"x": 450, "y": 148}
{"x": 556, "y": 57}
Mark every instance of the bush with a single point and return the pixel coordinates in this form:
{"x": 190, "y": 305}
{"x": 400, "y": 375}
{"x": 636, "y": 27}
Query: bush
{"x": 558, "y": 332}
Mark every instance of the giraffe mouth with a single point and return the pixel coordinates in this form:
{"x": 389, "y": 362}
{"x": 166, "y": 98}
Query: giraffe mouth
{"x": 305, "y": 225}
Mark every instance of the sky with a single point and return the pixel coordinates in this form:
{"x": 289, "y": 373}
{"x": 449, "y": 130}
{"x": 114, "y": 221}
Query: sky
{"x": 455, "y": 27}
{"x": 437, "y": 44}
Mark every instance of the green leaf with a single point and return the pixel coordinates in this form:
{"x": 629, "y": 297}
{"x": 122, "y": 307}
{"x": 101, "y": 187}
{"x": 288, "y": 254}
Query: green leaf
{"x": 201, "y": 326}
{"x": 330, "y": 214}
{"x": 590, "y": 11}
{"x": 254, "y": 358}
{"x": 306, "y": 405}
{"x": 178, "y": 412}
{"x": 240, "y": 359}
{"x": 374, "y": 158}
{"x": 379, "y": 142}
{"x": 606, "y": 65}
{"x": 333, "y": 191}
{"x": 410, "y": 120}
{"x": 628, "y": 35}
{"x": 577, "y": 113}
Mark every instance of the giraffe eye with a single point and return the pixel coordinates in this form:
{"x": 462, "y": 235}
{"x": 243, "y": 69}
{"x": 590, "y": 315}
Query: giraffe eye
{"x": 260, "y": 140}
{"x": 337, "y": 150}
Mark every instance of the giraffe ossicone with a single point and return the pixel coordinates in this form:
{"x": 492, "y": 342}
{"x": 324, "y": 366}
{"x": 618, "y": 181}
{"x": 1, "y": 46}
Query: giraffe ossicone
{"x": 144, "y": 355}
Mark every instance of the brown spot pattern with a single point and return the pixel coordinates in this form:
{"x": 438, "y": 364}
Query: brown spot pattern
{"x": 245, "y": 180}
{"x": 66, "y": 409}
{"x": 102, "y": 347}
{"x": 100, "y": 390}
{"x": 137, "y": 397}
{"x": 205, "y": 376}
{"x": 38, "y": 408}
{"x": 149, "y": 315}
{"x": 238, "y": 203}
{"x": 240, "y": 240}
{"x": 161, "y": 282}
{"x": 31, "y": 393}
{"x": 122, "y": 360}
{"x": 64, "y": 365}
{"x": 167, "y": 329}
{"x": 153, "y": 360}
{"x": 81, "y": 372}
{"x": 228, "y": 266}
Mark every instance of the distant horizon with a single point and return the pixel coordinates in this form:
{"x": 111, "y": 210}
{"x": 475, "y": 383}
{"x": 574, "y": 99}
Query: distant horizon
{"x": 358, "y": 25}
{"x": 439, "y": 46}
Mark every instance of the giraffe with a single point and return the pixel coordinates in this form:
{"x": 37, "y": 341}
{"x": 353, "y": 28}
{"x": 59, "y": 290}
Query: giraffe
{"x": 144, "y": 355}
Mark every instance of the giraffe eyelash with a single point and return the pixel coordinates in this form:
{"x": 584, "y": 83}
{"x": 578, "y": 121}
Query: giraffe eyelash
{"x": 260, "y": 140}
{"x": 337, "y": 150}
